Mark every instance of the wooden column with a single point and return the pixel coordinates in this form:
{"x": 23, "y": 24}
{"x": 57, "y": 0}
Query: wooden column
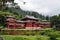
{"x": 29, "y": 24}
{"x": 14, "y": 26}
{"x": 7, "y": 25}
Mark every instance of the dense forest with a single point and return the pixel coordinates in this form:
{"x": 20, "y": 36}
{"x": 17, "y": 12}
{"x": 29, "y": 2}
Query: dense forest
{"x": 16, "y": 11}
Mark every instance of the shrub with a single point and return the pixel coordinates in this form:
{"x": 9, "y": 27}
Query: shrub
{"x": 18, "y": 38}
{"x": 42, "y": 38}
{"x": 57, "y": 38}
{"x": 52, "y": 37}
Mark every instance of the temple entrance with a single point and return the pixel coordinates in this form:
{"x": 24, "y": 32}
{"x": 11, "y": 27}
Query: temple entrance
{"x": 11, "y": 26}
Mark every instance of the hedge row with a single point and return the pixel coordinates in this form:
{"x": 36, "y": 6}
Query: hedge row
{"x": 24, "y": 32}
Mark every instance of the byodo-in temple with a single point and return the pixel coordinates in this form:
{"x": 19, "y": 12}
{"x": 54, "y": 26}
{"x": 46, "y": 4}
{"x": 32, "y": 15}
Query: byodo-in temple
{"x": 27, "y": 22}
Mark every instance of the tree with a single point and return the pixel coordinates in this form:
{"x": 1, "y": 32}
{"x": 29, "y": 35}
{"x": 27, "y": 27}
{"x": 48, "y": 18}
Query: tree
{"x": 3, "y": 16}
{"x": 47, "y": 18}
{"x": 55, "y": 21}
{"x": 3, "y": 3}
{"x": 2, "y": 20}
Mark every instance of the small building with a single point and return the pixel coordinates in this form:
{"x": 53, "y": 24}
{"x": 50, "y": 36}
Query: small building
{"x": 10, "y": 22}
{"x": 28, "y": 22}
{"x": 44, "y": 23}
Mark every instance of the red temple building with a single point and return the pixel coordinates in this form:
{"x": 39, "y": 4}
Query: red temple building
{"x": 10, "y": 22}
{"x": 44, "y": 23}
{"x": 28, "y": 22}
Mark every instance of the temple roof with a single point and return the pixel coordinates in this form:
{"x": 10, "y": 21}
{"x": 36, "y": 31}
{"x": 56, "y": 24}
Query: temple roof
{"x": 19, "y": 21}
{"x": 30, "y": 17}
{"x": 45, "y": 22}
{"x": 23, "y": 21}
{"x": 11, "y": 16}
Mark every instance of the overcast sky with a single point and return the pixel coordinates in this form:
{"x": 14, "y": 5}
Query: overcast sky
{"x": 45, "y": 7}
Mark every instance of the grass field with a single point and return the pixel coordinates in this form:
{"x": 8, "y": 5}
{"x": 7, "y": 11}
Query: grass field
{"x": 24, "y": 37}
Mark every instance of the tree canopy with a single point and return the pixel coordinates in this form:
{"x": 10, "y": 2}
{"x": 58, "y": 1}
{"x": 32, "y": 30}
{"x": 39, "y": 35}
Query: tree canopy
{"x": 55, "y": 21}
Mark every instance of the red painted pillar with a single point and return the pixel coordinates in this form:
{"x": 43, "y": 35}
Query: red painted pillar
{"x": 7, "y": 25}
{"x": 27, "y": 24}
{"x": 14, "y": 26}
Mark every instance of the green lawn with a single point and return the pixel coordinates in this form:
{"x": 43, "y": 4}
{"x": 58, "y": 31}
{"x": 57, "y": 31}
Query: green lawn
{"x": 23, "y": 37}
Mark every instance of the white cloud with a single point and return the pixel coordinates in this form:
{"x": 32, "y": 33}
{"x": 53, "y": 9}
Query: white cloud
{"x": 46, "y": 7}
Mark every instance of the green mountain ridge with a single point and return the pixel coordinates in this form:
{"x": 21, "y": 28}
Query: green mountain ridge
{"x": 22, "y": 13}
